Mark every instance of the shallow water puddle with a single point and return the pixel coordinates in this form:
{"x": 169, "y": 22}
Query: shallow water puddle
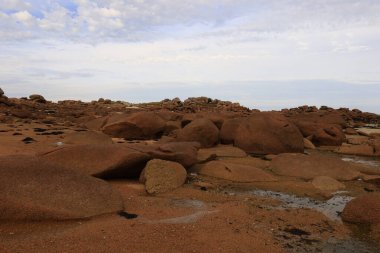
{"x": 369, "y": 161}
{"x": 331, "y": 208}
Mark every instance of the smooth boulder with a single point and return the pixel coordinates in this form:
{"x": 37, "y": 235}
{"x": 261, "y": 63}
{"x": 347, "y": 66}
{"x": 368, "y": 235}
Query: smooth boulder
{"x": 362, "y": 149}
{"x": 37, "y": 98}
{"x": 137, "y": 126}
{"x": 201, "y": 130}
{"x": 161, "y": 176}
{"x": 184, "y": 153}
{"x": 264, "y": 133}
{"x": 103, "y": 161}
{"x": 322, "y": 134}
{"x": 33, "y": 189}
{"x": 364, "y": 209}
{"x": 324, "y": 183}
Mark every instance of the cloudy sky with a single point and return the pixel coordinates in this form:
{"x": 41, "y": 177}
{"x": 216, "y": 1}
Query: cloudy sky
{"x": 266, "y": 54}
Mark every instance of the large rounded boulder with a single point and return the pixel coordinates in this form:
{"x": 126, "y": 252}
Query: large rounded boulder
{"x": 104, "y": 161}
{"x": 185, "y": 153}
{"x": 364, "y": 209}
{"x": 33, "y": 189}
{"x": 137, "y": 126}
{"x": 161, "y": 176}
{"x": 229, "y": 129}
{"x": 263, "y": 133}
{"x": 322, "y": 134}
{"x": 201, "y": 130}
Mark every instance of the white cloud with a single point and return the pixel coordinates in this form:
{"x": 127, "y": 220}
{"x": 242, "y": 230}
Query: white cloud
{"x": 14, "y": 4}
{"x": 24, "y": 17}
{"x": 118, "y": 44}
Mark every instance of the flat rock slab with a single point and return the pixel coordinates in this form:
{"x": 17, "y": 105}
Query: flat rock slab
{"x": 104, "y": 161}
{"x": 235, "y": 172}
{"x": 263, "y": 133}
{"x": 369, "y": 131}
{"x": 361, "y": 149}
{"x": 324, "y": 183}
{"x": 33, "y": 189}
{"x": 314, "y": 165}
{"x": 87, "y": 137}
{"x": 220, "y": 151}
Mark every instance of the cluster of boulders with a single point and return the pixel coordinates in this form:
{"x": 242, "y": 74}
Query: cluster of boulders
{"x": 160, "y": 145}
{"x": 196, "y": 104}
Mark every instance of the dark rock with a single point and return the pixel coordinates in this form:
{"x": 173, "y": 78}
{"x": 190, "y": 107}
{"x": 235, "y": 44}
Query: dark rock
{"x": 200, "y": 130}
{"x": 37, "y": 98}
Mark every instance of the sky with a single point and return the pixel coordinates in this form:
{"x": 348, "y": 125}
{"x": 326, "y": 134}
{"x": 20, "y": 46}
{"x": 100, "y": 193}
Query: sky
{"x": 265, "y": 54}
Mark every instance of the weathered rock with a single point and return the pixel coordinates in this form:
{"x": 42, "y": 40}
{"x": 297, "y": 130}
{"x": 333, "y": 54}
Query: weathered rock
{"x": 169, "y": 116}
{"x": 357, "y": 140}
{"x": 362, "y": 149}
{"x": 184, "y": 153}
{"x": 314, "y": 165}
{"x": 249, "y": 161}
{"x": 324, "y": 183}
{"x": 21, "y": 113}
{"x": 140, "y": 125}
{"x": 171, "y": 126}
{"x": 37, "y": 98}
{"x": 322, "y": 134}
{"x": 103, "y": 161}
{"x": 370, "y": 132}
{"x": 229, "y": 129}
{"x": 308, "y": 144}
{"x": 235, "y": 172}
{"x": 220, "y": 151}
{"x": 1, "y": 92}
{"x": 200, "y": 130}
{"x": 267, "y": 133}
{"x": 87, "y": 137}
{"x": 375, "y": 232}
{"x": 350, "y": 131}
{"x": 161, "y": 176}
{"x": 376, "y": 145}
{"x": 364, "y": 209}
{"x": 96, "y": 124}
{"x": 32, "y": 189}
{"x": 372, "y": 179}
{"x": 216, "y": 118}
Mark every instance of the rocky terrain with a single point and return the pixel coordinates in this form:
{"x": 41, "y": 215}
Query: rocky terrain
{"x": 200, "y": 175}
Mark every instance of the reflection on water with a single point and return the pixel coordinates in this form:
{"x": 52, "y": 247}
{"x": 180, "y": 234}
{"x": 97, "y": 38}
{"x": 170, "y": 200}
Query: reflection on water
{"x": 331, "y": 208}
{"x": 373, "y": 162}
